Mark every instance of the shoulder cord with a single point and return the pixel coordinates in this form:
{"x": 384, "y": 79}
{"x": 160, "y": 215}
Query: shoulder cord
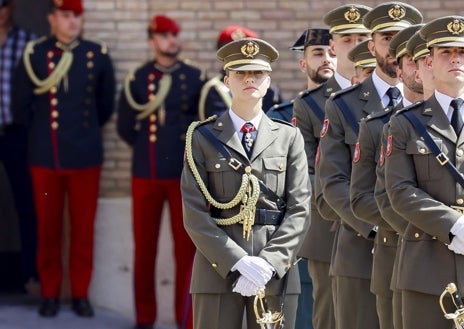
{"x": 248, "y": 192}
{"x": 55, "y": 77}
{"x": 152, "y": 105}
{"x": 221, "y": 89}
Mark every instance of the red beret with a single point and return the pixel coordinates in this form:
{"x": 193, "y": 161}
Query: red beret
{"x": 72, "y": 5}
{"x": 234, "y": 32}
{"x": 162, "y": 23}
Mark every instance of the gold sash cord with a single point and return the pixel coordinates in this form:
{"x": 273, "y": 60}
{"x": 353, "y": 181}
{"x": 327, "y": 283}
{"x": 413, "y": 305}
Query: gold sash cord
{"x": 55, "y": 77}
{"x": 153, "y": 104}
{"x": 221, "y": 89}
{"x": 247, "y": 194}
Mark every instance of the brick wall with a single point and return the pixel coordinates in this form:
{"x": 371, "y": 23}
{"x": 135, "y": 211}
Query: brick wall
{"x": 122, "y": 25}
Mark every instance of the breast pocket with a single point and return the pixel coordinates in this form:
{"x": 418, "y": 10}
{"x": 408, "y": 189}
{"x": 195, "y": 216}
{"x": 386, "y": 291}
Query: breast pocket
{"x": 274, "y": 174}
{"x": 223, "y": 180}
{"x": 425, "y": 161}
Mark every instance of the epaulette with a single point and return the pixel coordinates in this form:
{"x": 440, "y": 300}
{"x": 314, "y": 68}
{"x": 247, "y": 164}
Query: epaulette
{"x": 102, "y": 44}
{"x": 379, "y": 114}
{"x": 282, "y": 121}
{"x": 304, "y": 93}
{"x": 409, "y": 107}
{"x": 282, "y": 105}
{"x": 189, "y": 62}
{"x": 345, "y": 90}
{"x": 210, "y": 119}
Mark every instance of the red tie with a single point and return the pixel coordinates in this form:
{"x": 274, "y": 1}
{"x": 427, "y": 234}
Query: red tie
{"x": 248, "y": 137}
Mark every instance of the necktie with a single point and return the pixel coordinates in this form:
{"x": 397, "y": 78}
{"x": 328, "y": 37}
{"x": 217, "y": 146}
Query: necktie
{"x": 456, "y": 118}
{"x": 395, "y": 97}
{"x": 249, "y": 135}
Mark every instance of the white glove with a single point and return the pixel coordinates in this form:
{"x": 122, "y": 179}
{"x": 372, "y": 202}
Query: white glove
{"x": 457, "y": 245}
{"x": 458, "y": 228}
{"x": 245, "y": 287}
{"x": 255, "y": 269}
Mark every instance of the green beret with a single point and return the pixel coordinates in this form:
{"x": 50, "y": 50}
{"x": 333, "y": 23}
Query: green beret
{"x": 392, "y": 16}
{"x": 247, "y": 54}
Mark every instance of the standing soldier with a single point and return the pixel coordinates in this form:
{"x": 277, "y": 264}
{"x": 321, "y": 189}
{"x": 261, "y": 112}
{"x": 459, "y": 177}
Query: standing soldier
{"x": 309, "y": 115}
{"x": 363, "y": 178}
{"x": 364, "y": 62}
{"x": 158, "y": 102}
{"x": 64, "y": 90}
{"x": 352, "y": 264}
{"x": 423, "y": 167}
{"x": 246, "y": 205}
{"x": 13, "y": 144}
{"x": 215, "y": 96}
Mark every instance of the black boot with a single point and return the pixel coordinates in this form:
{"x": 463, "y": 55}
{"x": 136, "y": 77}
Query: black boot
{"x": 49, "y": 307}
{"x": 82, "y": 307}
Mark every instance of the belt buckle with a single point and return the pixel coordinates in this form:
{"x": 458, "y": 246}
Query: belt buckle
{"x": 234, "y": 163}
{"x": 442, "y": 159}
{"x": 458, "y": 209}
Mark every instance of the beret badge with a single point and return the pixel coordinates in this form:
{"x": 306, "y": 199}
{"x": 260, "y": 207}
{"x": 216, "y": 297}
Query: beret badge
{"x": 455, "y": 27}
{"x": 250, "y": 49}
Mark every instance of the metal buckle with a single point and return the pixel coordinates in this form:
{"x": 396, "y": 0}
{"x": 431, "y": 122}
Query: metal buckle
{"x": 234, "y": 163}
{"x": 458, "y": 209}
{"x": 442, "y": 159}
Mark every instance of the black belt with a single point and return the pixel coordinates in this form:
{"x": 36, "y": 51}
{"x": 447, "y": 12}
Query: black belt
{"x": 268, "y": 217}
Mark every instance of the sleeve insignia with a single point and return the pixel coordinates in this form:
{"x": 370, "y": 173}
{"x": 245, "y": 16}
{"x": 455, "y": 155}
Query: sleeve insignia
{"x": 357, "y": 153}
{"x": 389, "y": 150}
{"x": 381, "y": 156}
{"x": 325, "y": 127}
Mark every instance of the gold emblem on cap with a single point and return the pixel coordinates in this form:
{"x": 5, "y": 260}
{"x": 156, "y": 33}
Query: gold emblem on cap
{"x": 250, "y": 49}
{"x": 397, "y": 12}
{"x": 455, "y": 27}
{"x": 58, "y": 3}
{"x": 237, "y": 34}
{"x": 352, "y": 15}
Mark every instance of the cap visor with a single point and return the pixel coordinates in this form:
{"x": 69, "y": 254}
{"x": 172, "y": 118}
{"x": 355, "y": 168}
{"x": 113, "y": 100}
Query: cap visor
{"x": 250, "y": 67}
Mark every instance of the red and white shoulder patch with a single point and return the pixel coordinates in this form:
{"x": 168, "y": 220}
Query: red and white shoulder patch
{"x": 389, "y": 150}
{"x": 357, "y": 153}
{"x": 325, "y": 127}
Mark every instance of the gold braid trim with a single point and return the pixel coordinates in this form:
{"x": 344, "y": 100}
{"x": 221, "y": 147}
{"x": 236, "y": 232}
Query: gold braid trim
{"x": 248, "y": 193}
{"x": 54, "y": 78}
{"x": 152, "y": 105}
{"x": 221, "y": 89}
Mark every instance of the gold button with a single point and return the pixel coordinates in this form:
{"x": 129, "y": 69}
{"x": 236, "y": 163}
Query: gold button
{"x": 152, "y": 117}
{"x": 86, "y": 113}
{"x": 151, "y": 87}
{"x": 89, "y": 54}
{"x": 55, "y": 125}
{"x": 384, "y": 239}
{"x": 281, "y": 166}
{"x": 358, "y": 235}
{"x": 422, "y": 150}
{"x": 152, "y": 138}
{"x": 91, "y": 76}
{"x": 54, "y": 101}
{"x": 220, "y": 124}
{"x": 53, "y": 90}
{"x": 289, "y": 266}
{"x": 85, "y": 125}
{"x": 182, "y": 76}
{"x": 460, "y": 201}
{"x": 50, "y": 54}
{"x": 151, "y": 77}
{"x": 55, "y": 114}
{"x": 151, "y": 97}
{"x": 217, "y": 166}
{"x": 183, "y": 87}
{"x": 459, "y": 152}
{"x": 88, "y": 101}
{"x": 214, "y": 265}
{"x": 51, "y": 65}
{"x": 89, "y": 89}
{"x": 153, "y": 128}
{"x": 90, "y": 64}
{"x": 416, "y": 235}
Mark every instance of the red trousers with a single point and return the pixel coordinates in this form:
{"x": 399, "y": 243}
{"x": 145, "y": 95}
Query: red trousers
{"x": 148, "y": 198}
{"x": 50, "y": 187}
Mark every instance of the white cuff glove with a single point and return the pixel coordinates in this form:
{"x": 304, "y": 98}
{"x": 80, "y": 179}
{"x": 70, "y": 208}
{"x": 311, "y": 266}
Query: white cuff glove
{"x": 255, "y": 269}
{"x": 457, "y": 245}
{"x": 458, "y": 228}
{"x": 245, "y": 287}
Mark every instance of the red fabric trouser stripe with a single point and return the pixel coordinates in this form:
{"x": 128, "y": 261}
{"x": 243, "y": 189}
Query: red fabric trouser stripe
{"x": 50, "y": 188}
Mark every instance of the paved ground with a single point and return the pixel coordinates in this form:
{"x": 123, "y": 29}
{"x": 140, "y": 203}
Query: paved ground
{"x": 18, "y": 312}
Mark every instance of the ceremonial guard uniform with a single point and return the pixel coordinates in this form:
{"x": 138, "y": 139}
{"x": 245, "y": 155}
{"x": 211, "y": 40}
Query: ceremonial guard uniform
{"x": 247, "y": 234}
{"x": 423, "y": 146}
{"x": 156, "y": 107}
{"x": 352, "y": 264}
{"x": 363, "y": 180}
{"x": 215, "y": 96}
{"x": 65, "y": 93}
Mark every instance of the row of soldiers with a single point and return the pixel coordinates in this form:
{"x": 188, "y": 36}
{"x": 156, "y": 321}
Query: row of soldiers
{"x": 384, "y": 157}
